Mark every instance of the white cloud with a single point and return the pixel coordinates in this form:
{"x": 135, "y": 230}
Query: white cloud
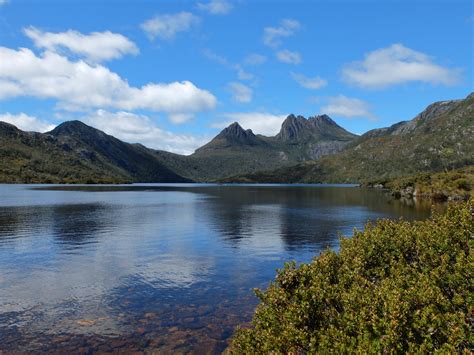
{"x": 259, "y": 122}
{"x": 272, "y": 35}
{"x": 3, "y": 2}
{"x": 217, "y": 58}
{"x": 79, "y": 85}
{"x": 242, "y": 74}
{"x": 343, "y": 106}
{"x": 26, "y": 122}
{"x": 216, "y": 7}
{"x": 397, "y": 64}
{"x": 96, "y": 46}
{"x": 288, "y": 57}
{"x": 255, "y": 59}
{"x": 179, "y": 118}
{"x": 240, "y": 92}
{"x": 308, "y": 82}
{"x": 9, "y": 89}
{"x": 168, "y": 25}
{"x": 135, "y": 128}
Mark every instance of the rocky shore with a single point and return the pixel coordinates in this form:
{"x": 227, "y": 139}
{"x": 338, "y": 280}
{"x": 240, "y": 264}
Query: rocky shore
{"x": 454, "y": 185}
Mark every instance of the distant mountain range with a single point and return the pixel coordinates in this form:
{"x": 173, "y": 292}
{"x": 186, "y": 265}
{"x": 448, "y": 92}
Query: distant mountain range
{"x": 439, "y": 138}
{"x": 305, "y": 150}
{"x": 238, "y": 151}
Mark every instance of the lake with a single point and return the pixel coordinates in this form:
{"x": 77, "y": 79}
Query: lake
{"x": 159, "y": 266}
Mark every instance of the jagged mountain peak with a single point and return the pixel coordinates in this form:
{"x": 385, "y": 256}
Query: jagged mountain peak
{"x": 292, "y": 128}
{"x": 322, "y": 118}
{"x": 235, "y": 130}
{"x": 231, "y": 136}
{"x": 298, "y": 128}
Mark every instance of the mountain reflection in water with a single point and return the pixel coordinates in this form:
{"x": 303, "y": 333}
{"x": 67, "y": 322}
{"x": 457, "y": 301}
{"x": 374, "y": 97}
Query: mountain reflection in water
{"x": 169, "y": 267}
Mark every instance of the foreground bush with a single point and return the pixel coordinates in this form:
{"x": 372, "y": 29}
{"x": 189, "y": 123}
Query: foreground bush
{"x": 395, "y": 287}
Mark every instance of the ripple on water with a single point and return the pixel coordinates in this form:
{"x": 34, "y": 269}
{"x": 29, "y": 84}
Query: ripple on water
{"x": 158, "y": 267}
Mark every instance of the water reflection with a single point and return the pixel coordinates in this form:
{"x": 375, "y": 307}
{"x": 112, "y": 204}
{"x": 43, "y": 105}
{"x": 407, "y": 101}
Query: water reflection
{"x": 154, "y": 266}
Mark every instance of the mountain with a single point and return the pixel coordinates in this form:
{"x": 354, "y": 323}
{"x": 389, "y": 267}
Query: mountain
{"x": 439, "y": 138}
{"x": 305, "y": 150}
{"x": 236, "y": 150}
{"x": 298, "y": 129}
{"x": 75, "y": 152}
{"x": 312, "y": 138}
{"x": 232, "y": 136}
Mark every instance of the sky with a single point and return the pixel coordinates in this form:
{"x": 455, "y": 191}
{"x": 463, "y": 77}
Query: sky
{"x": 172, "y": 74}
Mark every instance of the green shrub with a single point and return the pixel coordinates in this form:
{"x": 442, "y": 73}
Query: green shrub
{"x": 395, "y": 287}
{"x": 462, "y": 184}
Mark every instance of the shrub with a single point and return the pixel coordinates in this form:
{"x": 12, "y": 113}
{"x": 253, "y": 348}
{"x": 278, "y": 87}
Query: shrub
{"x": 395, "y": 287}
{"x": 462, "y": 184}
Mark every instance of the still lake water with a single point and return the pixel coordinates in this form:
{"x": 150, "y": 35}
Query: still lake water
{"x": 168, "y": 267}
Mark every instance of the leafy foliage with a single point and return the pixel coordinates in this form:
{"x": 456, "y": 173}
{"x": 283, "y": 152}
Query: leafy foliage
{"x": 455, "y": 184}
{"x": 395, "y": 287}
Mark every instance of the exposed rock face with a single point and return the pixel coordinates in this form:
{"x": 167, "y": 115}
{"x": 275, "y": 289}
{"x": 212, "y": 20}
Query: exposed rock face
{"x": 322, "y": 124}
{"x": 441, "y": 138}
{"x": 235, "y": 150}
{"x": 236, "y": 133}
{"x": 298, "y": 128}
{"x": 419, "y": 122}
{"x": 299, "y": 138}
{"x": 323, "y": 148}
{"x": 232, "y": 137}
{"x": 432, "y": 111}
{"x": 293, "y": 128}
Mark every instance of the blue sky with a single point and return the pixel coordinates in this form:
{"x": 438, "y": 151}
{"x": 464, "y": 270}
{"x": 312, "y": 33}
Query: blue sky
{"x": 171, "y": 74}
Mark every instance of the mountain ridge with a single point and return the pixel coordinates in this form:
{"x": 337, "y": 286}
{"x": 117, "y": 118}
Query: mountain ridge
{"x": 314, "y": 149}
{"x": 236, "y": 149}
{"x": 233, "y": 151}
{"x": 75, "y": 152}
{"x": 438, "y": 138}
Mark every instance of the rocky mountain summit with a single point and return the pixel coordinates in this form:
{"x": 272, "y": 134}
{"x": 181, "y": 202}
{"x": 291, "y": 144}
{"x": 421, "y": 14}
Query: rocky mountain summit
{"x": 231, "y": 136}
{"x": 235, "y": 149}
{"x": 322, "y": 127}
{"x": 314, "y": 149}
{"x": 439, "y": 138}
{"x": 237, "y": 133}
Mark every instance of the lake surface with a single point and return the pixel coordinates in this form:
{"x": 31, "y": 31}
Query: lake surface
{"x": 168, "y": 267}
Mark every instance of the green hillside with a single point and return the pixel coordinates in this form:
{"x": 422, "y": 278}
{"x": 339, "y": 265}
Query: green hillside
{"x": 440, "y": 138}
{"x": 305, "y": 150}
{"x": 75, "y": 153}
